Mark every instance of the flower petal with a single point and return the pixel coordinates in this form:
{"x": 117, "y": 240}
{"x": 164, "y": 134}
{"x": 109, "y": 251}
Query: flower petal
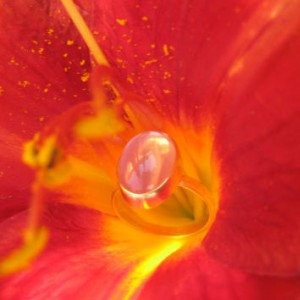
{"x": 257, "y": 145}
{"x": 15, "y": 177}
{"x": 73, "y": 263}
{"x": 173, "y": 55}
{"x": 44, "y": 65}
{"x": 200, "y": 277}
{"x": 89, "y": 256}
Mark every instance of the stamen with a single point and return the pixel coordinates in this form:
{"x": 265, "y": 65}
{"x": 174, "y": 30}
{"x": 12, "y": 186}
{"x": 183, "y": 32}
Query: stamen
{"x": 85, "y": 32}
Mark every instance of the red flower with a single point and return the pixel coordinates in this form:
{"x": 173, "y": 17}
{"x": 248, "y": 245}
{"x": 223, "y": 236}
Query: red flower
{"x": 221, "y": 79}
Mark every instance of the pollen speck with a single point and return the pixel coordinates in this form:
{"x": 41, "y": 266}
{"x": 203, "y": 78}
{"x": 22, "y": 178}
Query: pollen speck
{"x": 46, "y": 90}
{"x": 149, "y": 62}
{"x": 166, "y": 50}
{"x": 85, "y": 77}
{"x": 145, "y": 19}
{"x": 166, "y": 75}
{"x": 24, "y": 83}
{"x": 129, "y": 79}
{"x": 50, "y": 31}
{"x": 41, "y": 50}
{"x": 13, "y": 62}
{"x": 166, "y": 91}
{"x": 70, "y": 42}
{"x": 82, "y": 62}
{"x": 121, "y": 22}
{"x": 1, "y": 90}
{"x": 65, "y": 55}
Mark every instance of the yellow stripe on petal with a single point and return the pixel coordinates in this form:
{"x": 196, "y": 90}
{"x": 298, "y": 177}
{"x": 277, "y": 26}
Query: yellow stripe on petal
{"x": 144, "y": 269}
{"x": 139, "y": 251}
{"x": 21, "y": 258}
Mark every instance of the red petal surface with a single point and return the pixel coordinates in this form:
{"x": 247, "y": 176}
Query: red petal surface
{"x": 173, "y": 54}
{"x": 73, "y": 265}
{"x": 43, "y": 60}
{"x": 77, "y": 265}
{"x": 200, "y": 277}
{"x": 15, "y": 177}
{"x": 257, "y": 145}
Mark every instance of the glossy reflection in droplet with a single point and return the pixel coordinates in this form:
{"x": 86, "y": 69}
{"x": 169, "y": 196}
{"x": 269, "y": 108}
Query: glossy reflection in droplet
{"x": 146, "y": 168}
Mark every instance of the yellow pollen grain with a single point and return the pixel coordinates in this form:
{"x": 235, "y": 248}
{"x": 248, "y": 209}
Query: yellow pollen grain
{"x": 24, "y": 83}
{"x": 42, "y": 118}
{"x": 130, "y": 79}
{"x": 50, "y": 31}
{"x": 166, "y": 50}
{"x": 85, "y": 77}
{"x": 82, "y": 62}
{"x": 48, "y": 42}
{"x": 46, "y": 90}
{"x": 122, "y": 22}
{"x": 145, "y": 19}
{"x": 166, "y": 91}
{"x": 70, "y": 42}
{"x": 65, "y": 55}
{"x": 41, "y": 50}
{"x": 166, "y": 75}
{"x": 152, "y": 46}
{"x": 149, "y": 62}
{"x": 13, "y": 62}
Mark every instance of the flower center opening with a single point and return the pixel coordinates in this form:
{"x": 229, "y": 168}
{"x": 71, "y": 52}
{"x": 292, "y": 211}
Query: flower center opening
{"x": 155, "y": 194}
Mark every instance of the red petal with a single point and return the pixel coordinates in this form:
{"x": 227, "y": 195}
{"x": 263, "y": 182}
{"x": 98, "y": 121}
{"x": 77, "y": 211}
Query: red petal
{"x": 74, "y": 263}
{"x": 89, "y": 256}
{"x": 200, "y": 277}
{"x": 174, "y": 53}
{"x": 15, "y": 177}
{"x": 257, "y": 144}
{"x": 42, "y": 62}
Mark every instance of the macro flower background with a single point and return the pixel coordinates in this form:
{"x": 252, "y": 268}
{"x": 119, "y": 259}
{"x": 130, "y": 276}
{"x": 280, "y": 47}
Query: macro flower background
{"x": 224, "y": 76}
